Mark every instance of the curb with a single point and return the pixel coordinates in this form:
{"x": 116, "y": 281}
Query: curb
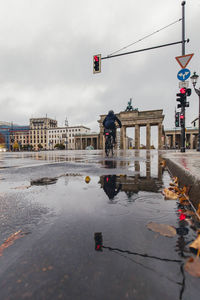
{"x": 185, "y": 178}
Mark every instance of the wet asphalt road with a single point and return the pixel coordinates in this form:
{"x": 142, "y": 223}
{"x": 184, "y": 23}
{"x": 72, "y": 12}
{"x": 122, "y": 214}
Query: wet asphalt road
{"x": 53, "y": 255}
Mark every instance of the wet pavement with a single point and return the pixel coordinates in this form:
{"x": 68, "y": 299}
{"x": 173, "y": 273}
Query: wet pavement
{"x": 54, "y": 212}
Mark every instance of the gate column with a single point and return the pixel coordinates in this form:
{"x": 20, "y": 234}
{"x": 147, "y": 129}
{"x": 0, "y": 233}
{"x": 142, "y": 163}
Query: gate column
{"x": 123, "y": 138}
{"x": 148, "y": 136}
{"x": 137, "y": 137}
{"x": 159, "y": 136}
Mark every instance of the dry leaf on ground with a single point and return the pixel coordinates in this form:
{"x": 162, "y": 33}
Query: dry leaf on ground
{"x": 10, "y": 240}
{"x": 175, "y": 179}
{"x": 196, "y": 243}
{"x": 163, "y": 229}
{"x": 170, "y": 195}
{"x": 22, "y": 187}
{"x": 198, "y": 210}
{"x": 192, "y": 266}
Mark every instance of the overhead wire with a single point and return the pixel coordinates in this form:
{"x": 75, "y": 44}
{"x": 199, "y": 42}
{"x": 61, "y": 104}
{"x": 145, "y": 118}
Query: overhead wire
{"x": 145, "y": 37}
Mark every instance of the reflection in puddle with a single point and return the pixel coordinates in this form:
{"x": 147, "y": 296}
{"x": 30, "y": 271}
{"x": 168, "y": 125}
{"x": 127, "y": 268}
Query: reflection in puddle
{"x": 131, "y": 185}
{"x": 44, "y": 181}
{"x": 110, "y": 185}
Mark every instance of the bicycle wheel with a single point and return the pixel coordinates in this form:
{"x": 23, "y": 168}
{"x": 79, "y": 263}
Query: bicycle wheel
{"x": 107, "y": 146}
{"x": 112, "y": 146}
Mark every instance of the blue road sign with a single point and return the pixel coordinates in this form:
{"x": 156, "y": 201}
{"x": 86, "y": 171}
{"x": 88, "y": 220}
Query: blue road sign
{"x": 183, "y": 74}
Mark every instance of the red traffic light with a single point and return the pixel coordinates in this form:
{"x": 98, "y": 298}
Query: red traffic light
{"x": 181, "y": 117}
{"x": 97, "y": 63}
{"x": 183, "y": 91}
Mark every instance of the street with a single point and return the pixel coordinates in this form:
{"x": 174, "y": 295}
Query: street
{"x": 50, "y": 212}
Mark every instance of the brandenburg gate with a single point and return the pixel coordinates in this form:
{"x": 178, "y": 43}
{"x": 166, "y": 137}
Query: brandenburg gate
{"x": 137, "y": 119}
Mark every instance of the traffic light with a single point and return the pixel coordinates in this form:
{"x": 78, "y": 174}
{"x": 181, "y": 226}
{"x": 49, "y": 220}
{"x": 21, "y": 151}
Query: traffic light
{"x": 98, "y": 241}
{"x": 181, "y": 97}
{"x": 188, "y": 92}
{"x": 182, "y": 119}
{"x": 97, "y": 63}
{"x": 177, "y": 115}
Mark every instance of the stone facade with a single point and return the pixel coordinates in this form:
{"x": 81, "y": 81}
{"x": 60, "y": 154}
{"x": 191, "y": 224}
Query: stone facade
{"x": 137, "y": 119}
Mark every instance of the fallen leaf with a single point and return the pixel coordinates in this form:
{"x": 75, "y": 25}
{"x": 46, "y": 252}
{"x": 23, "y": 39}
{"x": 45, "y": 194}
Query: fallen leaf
{"x": 170, "y": 194}
{"x": 192, "y": 266}
{"x": 196, "y": 243}
{"x": 182, "y": 199}
{"x": 10, "y": 240}
{"x": 175, "y": 179}
{"x": 163, "y": 229}
{"x": 198, "y": 210}
{"x": 189, "y": 213}
{"x": 163, "y": 163}
{"x": 23, "y": 187}
{"x": 185, "y": 203}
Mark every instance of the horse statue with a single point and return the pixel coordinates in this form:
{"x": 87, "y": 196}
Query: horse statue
{"x": 129, "y": 106}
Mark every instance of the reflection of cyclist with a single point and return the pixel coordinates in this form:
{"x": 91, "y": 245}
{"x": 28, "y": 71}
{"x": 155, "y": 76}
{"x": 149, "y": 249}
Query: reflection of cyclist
{"x": 109, "y": 186}
{"x": 109, "y": 123}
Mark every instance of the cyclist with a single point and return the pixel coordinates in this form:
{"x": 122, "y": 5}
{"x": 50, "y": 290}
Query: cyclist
{"x": 109, "y": 123}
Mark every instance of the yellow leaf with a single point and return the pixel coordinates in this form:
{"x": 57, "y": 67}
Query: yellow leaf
{"x": 196, "y": 243}
{"x": 182, "y": 199}
{"x": 170, "y": 194}
{"x": 198, "y": 210}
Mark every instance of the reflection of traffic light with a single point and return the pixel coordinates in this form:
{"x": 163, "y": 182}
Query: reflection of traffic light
{"x": 177, "y": 115}
{"x": 98, "y": 241}
{"x": 97, "y": 63}
{"x": 182, "y": 119}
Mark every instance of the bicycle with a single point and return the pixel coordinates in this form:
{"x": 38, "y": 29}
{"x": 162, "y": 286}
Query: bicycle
{"x": 109, "y": 143}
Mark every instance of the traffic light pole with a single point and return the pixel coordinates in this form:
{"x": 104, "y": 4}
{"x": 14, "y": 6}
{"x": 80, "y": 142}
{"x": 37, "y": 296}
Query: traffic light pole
{"x": 183, "y": 53}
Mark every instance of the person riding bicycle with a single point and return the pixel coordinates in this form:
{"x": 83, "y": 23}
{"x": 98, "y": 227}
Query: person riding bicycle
{"x": 109, "y": 123}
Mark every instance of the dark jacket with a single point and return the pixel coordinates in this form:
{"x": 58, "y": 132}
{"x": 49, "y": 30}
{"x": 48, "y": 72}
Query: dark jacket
{"x": 109, "y": 121}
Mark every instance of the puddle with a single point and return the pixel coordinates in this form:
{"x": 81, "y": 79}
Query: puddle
{"x": 118, "y": 199}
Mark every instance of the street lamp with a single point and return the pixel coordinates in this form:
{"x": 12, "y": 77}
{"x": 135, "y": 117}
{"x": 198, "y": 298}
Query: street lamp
{"x": 194, "y": 79}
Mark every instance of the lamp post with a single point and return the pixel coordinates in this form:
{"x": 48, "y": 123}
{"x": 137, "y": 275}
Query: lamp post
{"x": 194, "y": 79}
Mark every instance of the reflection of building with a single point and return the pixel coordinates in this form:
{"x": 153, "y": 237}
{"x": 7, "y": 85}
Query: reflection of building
{"x": 130, "y": 184}
{"x": 148, "y": 176}
{"x": 173, "y": 136}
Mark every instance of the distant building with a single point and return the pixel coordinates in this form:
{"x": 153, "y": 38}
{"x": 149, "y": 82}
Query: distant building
{"x": 11, "y": 134}
{"x": 87, "y": 139}
{"x": 195, "y": 123}
{"x": 39, "y": 130}
{"x": 65, "y": 136}
{"x": 42, "y": 133}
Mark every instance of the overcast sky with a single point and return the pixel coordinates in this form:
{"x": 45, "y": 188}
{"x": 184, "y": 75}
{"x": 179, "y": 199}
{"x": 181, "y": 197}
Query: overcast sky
{"x": 46, "y": 51}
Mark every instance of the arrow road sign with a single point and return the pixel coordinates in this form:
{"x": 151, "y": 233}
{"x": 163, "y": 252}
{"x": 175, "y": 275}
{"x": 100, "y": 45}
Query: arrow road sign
{"x": 184, "y": 60}
{"x": 183, "y": 74}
